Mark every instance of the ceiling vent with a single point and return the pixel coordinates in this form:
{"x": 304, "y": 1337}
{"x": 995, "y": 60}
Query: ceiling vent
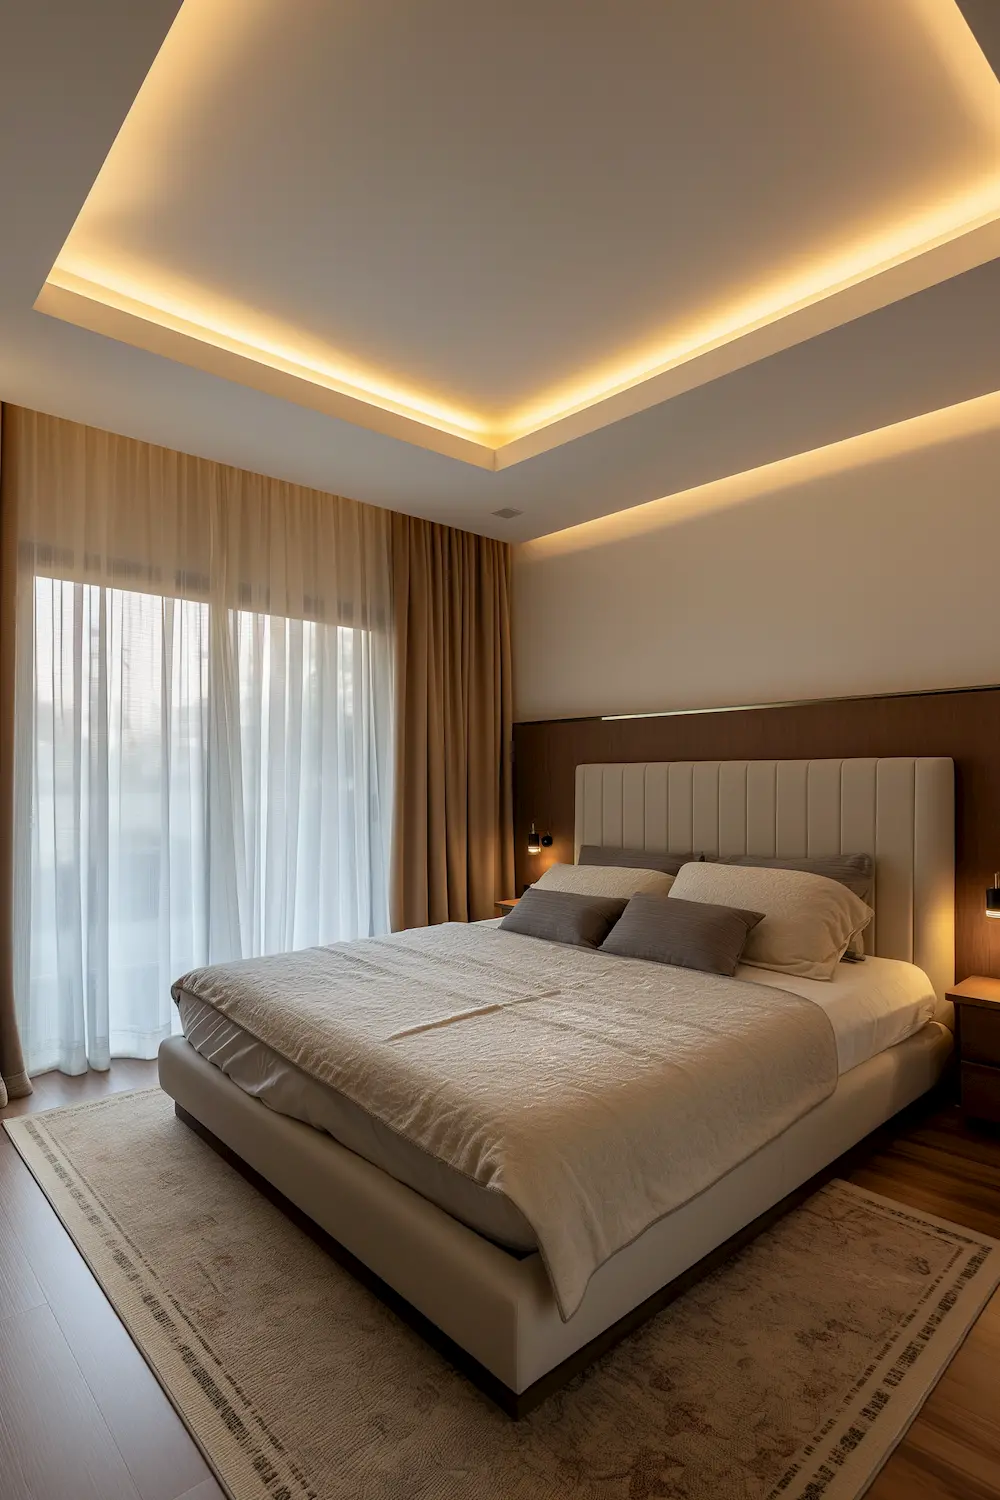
{"x": 507, "y": 514}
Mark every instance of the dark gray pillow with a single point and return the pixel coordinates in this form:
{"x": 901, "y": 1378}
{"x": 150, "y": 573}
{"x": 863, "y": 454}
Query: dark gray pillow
{"x": 856, "y": 871}
{"x": 691, "y": 934}
{"x": 563, "y": 917}
{"x": 634, "y": 859}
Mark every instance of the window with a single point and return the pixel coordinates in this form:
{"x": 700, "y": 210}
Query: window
{"x": 205, "y": 784}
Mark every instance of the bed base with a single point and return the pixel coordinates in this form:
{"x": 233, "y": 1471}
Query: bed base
{"x": 451, "y": 1284}
{"x": 517, "y": 1404}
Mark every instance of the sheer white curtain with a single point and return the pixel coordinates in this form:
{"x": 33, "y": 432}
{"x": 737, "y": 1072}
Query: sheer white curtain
{"x": 204, "y": 737}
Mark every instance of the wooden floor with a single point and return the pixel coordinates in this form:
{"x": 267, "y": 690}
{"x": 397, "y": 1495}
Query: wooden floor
{"x": 82, "y": 1418}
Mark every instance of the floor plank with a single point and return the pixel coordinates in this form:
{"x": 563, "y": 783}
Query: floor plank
{"x": 162, "y": 1459}
{"x": 953, "y": 1448}
{"x": 940, "y": 1165}
{"x": 53, "y": 1090}
{"x": 19, "y": 1289}
{"x": 952, "y": 1452}
{"x": 60, "y": 1441}
{"x": 160, "y": 1454}
{"x": 12, "y": 1477}
{"x": 208, "y": 1490}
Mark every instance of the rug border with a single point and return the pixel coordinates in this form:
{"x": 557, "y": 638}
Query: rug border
{"x": 14, "y": 1127}
{"x": 18, "y": 1132}
{"x": 908, "y": 1410}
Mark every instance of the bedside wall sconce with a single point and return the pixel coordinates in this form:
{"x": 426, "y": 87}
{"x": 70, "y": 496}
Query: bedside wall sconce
{"x": 538, "y": 841}
{"x": 993, "y": 897}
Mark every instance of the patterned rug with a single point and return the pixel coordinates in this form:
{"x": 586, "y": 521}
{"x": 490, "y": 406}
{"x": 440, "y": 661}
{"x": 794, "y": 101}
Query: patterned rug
{"x": 789, "y": 1374}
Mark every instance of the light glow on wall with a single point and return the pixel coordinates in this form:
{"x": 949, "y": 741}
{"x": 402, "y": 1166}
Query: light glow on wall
{"x": 891, "y": 247}
{"x": 199, "y": 321}
{"x": 125, "y": 299}
{"x": 947, "y": 424}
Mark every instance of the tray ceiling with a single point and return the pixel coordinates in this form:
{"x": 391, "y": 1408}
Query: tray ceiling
{"x": 560, "y": 266}
{"x": 488, "y": 239}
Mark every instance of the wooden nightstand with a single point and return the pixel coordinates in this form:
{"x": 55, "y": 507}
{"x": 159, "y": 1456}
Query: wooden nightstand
{"x": 506, "y": 905}
{"x": 977, "y": 1040}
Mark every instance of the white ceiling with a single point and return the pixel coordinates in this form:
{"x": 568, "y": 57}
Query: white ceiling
{"x": 485, "y": 218}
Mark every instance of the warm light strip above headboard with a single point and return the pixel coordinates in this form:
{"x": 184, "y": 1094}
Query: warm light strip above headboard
{"x": 745, "y": 708}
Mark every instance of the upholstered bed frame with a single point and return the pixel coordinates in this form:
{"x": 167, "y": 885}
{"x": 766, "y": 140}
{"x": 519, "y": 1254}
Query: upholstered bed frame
{"x": 901, "y": 811}
{"x": 493, "y": 1312}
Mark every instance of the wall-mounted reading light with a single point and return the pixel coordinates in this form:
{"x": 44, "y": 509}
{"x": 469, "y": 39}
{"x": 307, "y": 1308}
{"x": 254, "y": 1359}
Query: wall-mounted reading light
{"x": 538, "y": 841}
{"x": 993, "y": 897}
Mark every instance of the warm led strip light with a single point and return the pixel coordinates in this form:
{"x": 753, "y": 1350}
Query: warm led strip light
{"x": 961, "y": 230}
{"x": 946, "y": 424}
{"x": 750, "y": 708}
{"x": 783, "y": 315}
{"x": 977, "y": 210}
{"x": 173, "y": 315}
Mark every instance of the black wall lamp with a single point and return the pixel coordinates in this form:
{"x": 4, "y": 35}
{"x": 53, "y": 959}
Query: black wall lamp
{"x": 992, "y": 896}
{"x": 539, "y": 841}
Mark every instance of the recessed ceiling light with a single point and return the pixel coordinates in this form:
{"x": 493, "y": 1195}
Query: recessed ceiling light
{"x": 507, "y": 514}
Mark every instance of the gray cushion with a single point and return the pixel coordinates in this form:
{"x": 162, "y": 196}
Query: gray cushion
{"x": 634, "y": 859}
{"x": 856, "y": 871}
{"x": 691, "y": 934}
{"x": 563, "y": 917}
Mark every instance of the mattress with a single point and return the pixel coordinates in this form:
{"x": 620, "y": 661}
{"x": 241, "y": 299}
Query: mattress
{"x": 871, "y": 1007}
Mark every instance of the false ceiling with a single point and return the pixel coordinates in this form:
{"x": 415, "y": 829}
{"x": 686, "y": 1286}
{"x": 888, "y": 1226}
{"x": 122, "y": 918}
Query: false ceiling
{"x": 556, "y": 258}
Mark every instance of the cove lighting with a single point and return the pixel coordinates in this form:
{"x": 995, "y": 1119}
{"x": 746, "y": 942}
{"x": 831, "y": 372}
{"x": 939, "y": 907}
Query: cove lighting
{"x": 98, "y": 288}
{"x": 947, "y": 424}
{"x": 899, "y": 261}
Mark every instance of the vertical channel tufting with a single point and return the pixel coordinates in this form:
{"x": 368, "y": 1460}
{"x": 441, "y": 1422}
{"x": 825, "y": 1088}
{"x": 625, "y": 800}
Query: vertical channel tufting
{"x": 934, "y": 871}
{"x": 680, "y": 808}
{"x": 895, "y": 786}
{"x": 823, "y": 807}
{"x": 634, "y": 807}
{"x": 899, "y": 810}
{"x": 790, "y": 834}
{"x": 857, "y": 822}
{"x": 593, "y": 804}
{"x": 762, "y": 779}
{"x": 705, "y": 806}
{"x": 733, "y": 807}
{"x": 654, "y": 805}
{"x": 611, "y": 806}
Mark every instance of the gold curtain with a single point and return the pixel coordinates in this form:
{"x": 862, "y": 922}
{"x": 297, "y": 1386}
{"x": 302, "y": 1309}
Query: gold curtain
{"x": 452, "y": 848}
{"x": 13, "y": 1079}
{"x": 444, "y": 615}
{"x": 204, "y": 728}
{"x": 101, "y": 509}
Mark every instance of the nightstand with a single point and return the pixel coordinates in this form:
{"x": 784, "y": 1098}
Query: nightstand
{"x": 506, "y": 905}
{"x": 977, "y": 1040}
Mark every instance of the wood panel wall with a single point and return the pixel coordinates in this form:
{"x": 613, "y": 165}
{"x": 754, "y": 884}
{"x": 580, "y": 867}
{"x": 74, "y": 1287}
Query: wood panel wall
{"x": 963, "y": 724}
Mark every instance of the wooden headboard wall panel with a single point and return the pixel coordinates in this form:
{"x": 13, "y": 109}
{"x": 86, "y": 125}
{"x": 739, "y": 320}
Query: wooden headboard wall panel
{"x": 964, "y": 725}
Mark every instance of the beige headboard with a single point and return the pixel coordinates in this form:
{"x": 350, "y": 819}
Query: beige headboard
{"x": 901, "y": 811}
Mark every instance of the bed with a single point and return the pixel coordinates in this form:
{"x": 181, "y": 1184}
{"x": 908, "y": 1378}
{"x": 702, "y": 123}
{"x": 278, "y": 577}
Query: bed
{"x": 468, "y": 1261}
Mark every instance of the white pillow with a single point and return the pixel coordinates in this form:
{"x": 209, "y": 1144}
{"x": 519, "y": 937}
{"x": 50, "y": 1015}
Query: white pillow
{"x": 809, "y": 920}
{"x": 604, "y": 880}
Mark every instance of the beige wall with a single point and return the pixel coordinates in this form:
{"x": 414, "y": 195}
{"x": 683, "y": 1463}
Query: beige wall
{"x": 871, "y": 567}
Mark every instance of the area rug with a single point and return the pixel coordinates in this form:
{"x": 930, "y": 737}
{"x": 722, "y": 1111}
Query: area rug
{"x": 789, "y": 1374}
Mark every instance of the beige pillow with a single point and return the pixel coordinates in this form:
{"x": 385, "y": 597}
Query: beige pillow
{"x": 604, "y": 880}
{"x": 809, "y": 920}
